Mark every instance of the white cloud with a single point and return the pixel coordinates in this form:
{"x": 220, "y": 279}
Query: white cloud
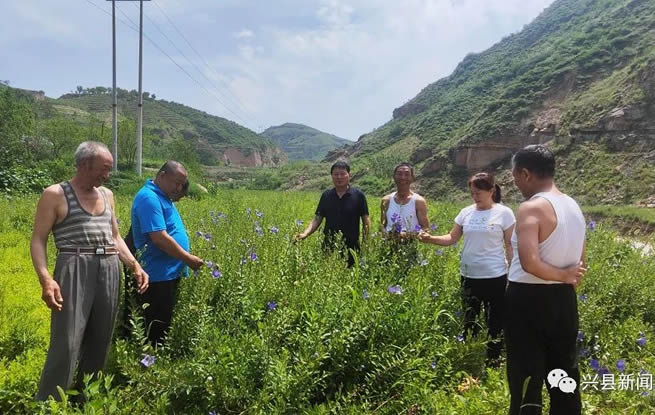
{"x": 244, "y": 34}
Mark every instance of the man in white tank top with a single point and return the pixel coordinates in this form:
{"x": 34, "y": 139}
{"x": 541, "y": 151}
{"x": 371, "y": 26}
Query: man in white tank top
{"x": 541, "y": 304}
{"x": 404, "y": 212}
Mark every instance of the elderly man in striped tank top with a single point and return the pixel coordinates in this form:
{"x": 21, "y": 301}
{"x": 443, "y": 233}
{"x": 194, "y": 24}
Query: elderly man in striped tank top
{"x": 541, "y": 305}
{"x": 83, "y": 291}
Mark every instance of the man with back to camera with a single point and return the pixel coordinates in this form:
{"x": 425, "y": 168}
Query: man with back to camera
{"x": 541, "y": 304}
{"x": 159, "y": 232}
{"x": 83, "y": 295}
{"x": 342, "y": 207}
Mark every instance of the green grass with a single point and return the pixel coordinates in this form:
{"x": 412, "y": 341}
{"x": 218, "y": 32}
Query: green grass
{"x": 325, "y": 348}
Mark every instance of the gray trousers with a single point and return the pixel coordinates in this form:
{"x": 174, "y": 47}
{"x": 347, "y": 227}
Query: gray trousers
{"x": 82, "y": 330}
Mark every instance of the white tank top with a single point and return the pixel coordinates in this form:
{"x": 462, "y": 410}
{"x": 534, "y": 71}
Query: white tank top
{"x": 564, "y": 245}
{"x": 402, "y": 218}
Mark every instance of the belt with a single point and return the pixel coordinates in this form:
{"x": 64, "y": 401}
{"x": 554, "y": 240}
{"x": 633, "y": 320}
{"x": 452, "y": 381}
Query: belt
{"x": 100, "y": 250}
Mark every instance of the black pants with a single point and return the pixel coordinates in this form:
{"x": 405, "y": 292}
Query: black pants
{"x": 161, "y": 297}
{"x": 540, "y": 332}
{"x": 490, "y": 293}
{"x": 330, "y": 243}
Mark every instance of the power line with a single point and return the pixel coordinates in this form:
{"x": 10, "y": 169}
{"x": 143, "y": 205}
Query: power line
{"x": 134, "y": 27}
{"x": 244, "y": 112}
{"x": 218, "y": 76}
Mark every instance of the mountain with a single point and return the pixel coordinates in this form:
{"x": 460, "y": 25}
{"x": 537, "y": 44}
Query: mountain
{"x": 215, "y": 140}
{"x": 581, "y": 77}
{"x": 301, "y": 142}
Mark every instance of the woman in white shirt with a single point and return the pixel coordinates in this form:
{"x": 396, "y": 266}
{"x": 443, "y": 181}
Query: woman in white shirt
{"x": 487, "y": 227}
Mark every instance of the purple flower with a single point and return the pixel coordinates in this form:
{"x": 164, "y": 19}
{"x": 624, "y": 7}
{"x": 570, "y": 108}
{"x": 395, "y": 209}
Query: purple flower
{"x": 424, "y": 263}
{"x": 213, "y": 413}
{"x": 418, "y": 228}
{"x": 580, "y": 336}
{"x": 645, "y": 393}
{"x": 439, "y": 252}
{"x": 395, "y": 289}
{"x": 434, "y": 227}
{"x": 259, "y": 231}
{"x": 641, "y": 341}
{"x": 243, "y": 261}
{"x": 597, "y": 348}
{"x": 249, "y": 211}
{"x": 620, "y": 365}
{"x": 274, "y": 230}
{"x": 272, "y": 305}
{"x": 216, "y": 274}
{"x": 209, "y": 264}
{"x": 603, "y": 371}
{"x": 259, "y": 214}
{"x": 592, "y": 225}
{"x": 434, "y": 294}
{"x": 253, "y": 256}
{"x": 583, "y": 297}
{"x": 148, "y": 360}
{"x": 198, "y": 233}
{"x": 460, "y": 338}
{"x": 433, "y": 365}
{"x": 365, "y": 295}
{"x": 594, "y": 364}
{"x": 299, "y": 222}
{"x": 208, "y": 237}
{"x": 396, "y": 227}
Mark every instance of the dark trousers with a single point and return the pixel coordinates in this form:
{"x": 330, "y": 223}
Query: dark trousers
{"x": 330, "y": 243}
{"x": 490, "y": 293}
{"x": 540, "y": 332}
{"x": 161, "y": 297}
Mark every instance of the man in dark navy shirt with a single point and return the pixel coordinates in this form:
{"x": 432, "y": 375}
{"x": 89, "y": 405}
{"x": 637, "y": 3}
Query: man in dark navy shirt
{"x": 342, "y": 207}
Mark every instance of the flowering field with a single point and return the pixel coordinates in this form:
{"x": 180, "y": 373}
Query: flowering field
{"x": 270, "y": 326}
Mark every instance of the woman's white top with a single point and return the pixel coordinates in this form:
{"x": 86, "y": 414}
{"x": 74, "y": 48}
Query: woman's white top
{"x": 483, "y": 254}
{"x": 402, "y": 218}
{"x": 564, "y": 245}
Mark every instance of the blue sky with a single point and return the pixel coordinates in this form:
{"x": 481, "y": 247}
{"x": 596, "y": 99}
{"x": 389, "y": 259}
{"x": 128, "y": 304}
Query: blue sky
{"x": 341, "y": 66}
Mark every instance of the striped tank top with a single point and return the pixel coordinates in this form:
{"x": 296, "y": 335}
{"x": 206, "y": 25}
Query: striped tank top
{"x": 80, "y": 228}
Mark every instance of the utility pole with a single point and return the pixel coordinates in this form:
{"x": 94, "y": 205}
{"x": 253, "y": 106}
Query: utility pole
{"x": 139, "y": 132}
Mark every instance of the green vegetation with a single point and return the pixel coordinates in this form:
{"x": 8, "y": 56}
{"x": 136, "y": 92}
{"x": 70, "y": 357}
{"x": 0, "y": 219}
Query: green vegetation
{"x": 301, "y": 142}
{"x": 293, "y": 331}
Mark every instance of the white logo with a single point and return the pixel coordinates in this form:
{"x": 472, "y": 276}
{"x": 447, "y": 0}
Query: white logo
{"x": 559, "y": 378}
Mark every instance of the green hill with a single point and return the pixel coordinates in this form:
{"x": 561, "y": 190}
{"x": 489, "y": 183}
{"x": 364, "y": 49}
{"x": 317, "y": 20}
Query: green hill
{"x": 580, "y": 76}
{"x": 301, "y": 142}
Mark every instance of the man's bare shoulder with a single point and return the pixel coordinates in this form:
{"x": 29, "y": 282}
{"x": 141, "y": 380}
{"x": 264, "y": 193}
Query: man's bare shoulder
{"x": 535, "y": 207}
{"x": 54, "y": 191}
{"x": 419, "y": 198}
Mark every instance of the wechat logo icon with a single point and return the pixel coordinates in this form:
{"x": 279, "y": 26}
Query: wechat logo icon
{"x": 560, "y": 379}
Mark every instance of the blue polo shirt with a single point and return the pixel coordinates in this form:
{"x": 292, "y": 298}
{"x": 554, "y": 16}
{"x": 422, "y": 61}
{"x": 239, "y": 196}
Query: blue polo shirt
{"x": 153, "y": 211}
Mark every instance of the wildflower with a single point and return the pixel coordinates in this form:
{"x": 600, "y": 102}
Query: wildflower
{"x": 259, "y": 214}
{"x": 583, "y": 297}
{"x": 580, "y": 336}
{"x": 148, "y": 360}
{"x": 274, "y": 230}
{"x": 272, "y": 305}
{"x": 439, "y": 252}
{"x": 299, "y": 222}
{"x": 433, "y": 365}
{"x": 395, "y": 289}
{"x": 222, "y": 215}
{"x": 418, "y": 228}
{"x": 620, "y": 365}
{"x": 434, "y": 294}
{"x": 249, "y": 211}
{"x": 594, "y": 364}
{"x": 362, "y": 367}
{"x": 213, "y": 413}
{"x": 209, "y": 264}
{"x": 243, "y": 260}
{"x": 253, "y": 256}
{"x": 365, "y": 295}
{"x": 603, "y": 371}
{"x": 216, "y": 274}
{"x": 259, "y": 231}
{"x": 434, "y": 227}
{"x": 592, "y": 225}
{"x": 641, "y": 341}
{"x": 424, "y": 262}
{"x": 645, "y": 393}
{"x": 460, "y": 338}
{"x": 198, "y": 233}
{"x": 597, "y": 348}
{"x": 208, "y": 237}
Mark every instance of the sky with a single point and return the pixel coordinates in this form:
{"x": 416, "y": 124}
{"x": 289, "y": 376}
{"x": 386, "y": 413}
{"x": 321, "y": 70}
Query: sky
{"x": 340, "y": 66}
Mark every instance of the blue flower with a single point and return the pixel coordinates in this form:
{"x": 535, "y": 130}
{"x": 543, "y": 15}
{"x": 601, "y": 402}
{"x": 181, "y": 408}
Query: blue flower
{"x": 213, "y": 413}
{"x": 439, "y": 252}
{"x": 620, "y": 365}
{"x": 216, "y": 274}
{"x": 603, "y": 371}
{"x": 365, "y": 295}
{"x": 645, "y": 393}
{"x": 395, "y": 289}
{"x": 249, "y": 211}
{"x": 208, "y": 237}
{"x": 424, "y": 263}
{"x": 259, "y": 214}
{"x": 583, "y": 297}
{"x": 434, "y": 294}
{"x": 434, "y": 227}
{"x": 433, "y": 365}
{"x": 243, "y": 261}
{"x": 209, "y": 264}
{"x": 148, "y": 360}
{"x": 580, "y": 336}
{"x": 592, "y": 225}
{"x": 274, "y": 230}
{"x": 253, "y": 256}
{"x": 272, "y": 305}
{"x": 460, "y": 338}
{"x": 594, "y": 364}
{"x": 641, "y": 341}
{"x": 259, "y": 231}
{"x": 198, "y": 233}
{"x": 418, "y": 228}
{"x": 299, "y": 222}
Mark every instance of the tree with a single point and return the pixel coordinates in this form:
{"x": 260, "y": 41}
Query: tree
{"x": 79, "y": 89}
{"x": 17, "y": 120}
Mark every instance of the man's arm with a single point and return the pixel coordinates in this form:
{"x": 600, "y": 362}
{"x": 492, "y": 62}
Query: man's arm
{"x": 311, "y": 228}
{"x": 166, "y": 243}
{"x": 124, "y": 253}
{"x": 44, "y": 220}
{"x": 422, "y": 213}
{"x": 384, "y": 205}
{"x": 366, "y": 226}
{"x": 527, "y": 232}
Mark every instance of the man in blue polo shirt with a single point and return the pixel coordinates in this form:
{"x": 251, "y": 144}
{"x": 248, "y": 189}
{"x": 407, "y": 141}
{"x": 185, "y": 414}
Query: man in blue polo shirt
{"x": 160, "y": 235}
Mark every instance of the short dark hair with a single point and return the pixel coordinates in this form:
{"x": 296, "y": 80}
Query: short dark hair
{"x": 169, "y": 166}
{"x": 404, "y": 164}
{"x": 537, "y": 159}
{"x": 486, "y": 181}
{"x": 340, "y": 165}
